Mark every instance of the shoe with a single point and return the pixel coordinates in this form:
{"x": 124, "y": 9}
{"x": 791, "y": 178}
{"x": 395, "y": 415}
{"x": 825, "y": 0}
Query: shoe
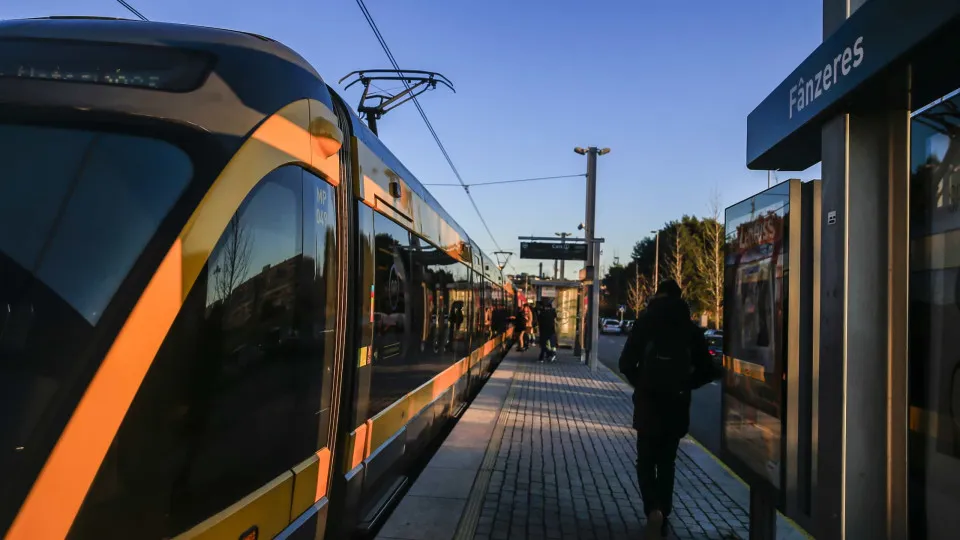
{"x": 654, "y": 525}
{"x": 665, "y": 529}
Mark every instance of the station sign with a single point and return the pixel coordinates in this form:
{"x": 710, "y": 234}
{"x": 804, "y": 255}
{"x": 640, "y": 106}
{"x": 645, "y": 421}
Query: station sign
{"x": 563, "y": 251}
{"x": 784, "y": 131}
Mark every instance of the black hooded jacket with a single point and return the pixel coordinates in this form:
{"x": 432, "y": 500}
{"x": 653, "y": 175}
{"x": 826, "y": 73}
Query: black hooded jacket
{"x": 666, "y": 317}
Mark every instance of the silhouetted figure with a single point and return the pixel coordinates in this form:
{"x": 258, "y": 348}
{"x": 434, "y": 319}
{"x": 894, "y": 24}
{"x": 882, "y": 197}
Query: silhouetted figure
{"x": 665, "y": 358}
{"x": 548, "y": 332}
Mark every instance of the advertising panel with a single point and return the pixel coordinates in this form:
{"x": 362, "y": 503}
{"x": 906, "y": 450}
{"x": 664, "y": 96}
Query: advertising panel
{"x": 566, "y": 305}
{"x": 755, "y": 300}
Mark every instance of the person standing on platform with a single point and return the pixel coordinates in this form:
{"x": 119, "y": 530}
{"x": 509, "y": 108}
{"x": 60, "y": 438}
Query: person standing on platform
{"x": 548, "y": 332}
{"x": 520, "y": 327}
{"x": 664, "y": 359}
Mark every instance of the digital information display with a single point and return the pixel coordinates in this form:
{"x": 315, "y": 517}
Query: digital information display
{"x": 567, "y": 251}
{"x": 139, "y": 66}
{"x": 755, "y": 332}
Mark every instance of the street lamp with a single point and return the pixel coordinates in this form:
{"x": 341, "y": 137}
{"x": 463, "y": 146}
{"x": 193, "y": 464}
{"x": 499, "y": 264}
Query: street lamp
{"x": 593, "y": 251}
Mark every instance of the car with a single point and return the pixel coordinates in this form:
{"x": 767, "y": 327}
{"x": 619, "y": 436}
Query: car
{"x": 715, "y": 348}
{"x": 711, "y": 332}
{"x": 610, "y": 326}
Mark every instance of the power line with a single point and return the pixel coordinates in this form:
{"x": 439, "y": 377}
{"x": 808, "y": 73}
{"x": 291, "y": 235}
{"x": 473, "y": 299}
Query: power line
{"x": 133, "y": 10}
{"x": 416, "y": 102}
{"x": 512, "y": 181}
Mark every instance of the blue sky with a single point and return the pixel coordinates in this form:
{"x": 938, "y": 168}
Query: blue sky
{"x": 666, "y": 85}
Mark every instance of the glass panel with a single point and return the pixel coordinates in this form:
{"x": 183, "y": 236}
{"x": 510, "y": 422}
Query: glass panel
{"x": 395, "y": 326}
{"x": 756, "y": 264}
{"x": 934, "y": 366}
{"x": 77, "y": 209}
{"x": 232, "y": 399}
{"x": 319, "y": 301}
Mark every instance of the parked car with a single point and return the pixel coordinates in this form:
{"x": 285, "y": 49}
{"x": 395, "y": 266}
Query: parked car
{"x": 610, "y": 326}
{"x": 715, "y": 348}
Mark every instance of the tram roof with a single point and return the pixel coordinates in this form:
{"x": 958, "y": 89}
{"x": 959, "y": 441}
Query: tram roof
{"x": 239, "y": 55}
{"x": 117, "y": 30}
{"x": 364, "y": 134}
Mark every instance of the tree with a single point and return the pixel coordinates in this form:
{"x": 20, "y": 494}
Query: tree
{"x": 231, "y": 269}
{"x": 676, "y": 256}
{"x": 709, "y": 258}
{"x": 614, "y": 288}
{"x": 638, "y": 290}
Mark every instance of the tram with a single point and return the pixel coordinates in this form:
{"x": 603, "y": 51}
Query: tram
{"x": 228, "y": 310}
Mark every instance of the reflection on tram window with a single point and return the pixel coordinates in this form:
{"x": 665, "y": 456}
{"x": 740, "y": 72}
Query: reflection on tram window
{"x": 421, "y": 313}
{"x": 101, "y": 198}
{"x": 934, "y": 365}
{"x": 77, "y": 210}
{"x": 459, "y": 298}
{"x": 319, "y": 301}
{"x": 230, "y": 401}
{"x": 392, "y": 314}
{"x": 756, "y": 261}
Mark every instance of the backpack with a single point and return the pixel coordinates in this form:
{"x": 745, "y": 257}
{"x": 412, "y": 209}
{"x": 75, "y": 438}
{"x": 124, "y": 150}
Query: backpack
{"x": 667, "y": 366}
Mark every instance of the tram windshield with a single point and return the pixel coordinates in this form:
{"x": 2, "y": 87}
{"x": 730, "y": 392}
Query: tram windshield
{"x": 77, "y": 209}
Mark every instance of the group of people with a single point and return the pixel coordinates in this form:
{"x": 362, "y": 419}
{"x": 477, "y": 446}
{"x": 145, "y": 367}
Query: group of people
{"x": 538, "y": 324}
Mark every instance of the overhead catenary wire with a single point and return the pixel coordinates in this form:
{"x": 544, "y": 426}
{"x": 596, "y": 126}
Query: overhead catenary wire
{"x": 537, "y": 179}
{"x": 133, "y": 10}
{"x": 423, "y": 115}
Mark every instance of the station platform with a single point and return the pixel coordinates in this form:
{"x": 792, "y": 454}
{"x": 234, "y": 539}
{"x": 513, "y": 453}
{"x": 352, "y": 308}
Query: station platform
{"x": 548, "y": 451}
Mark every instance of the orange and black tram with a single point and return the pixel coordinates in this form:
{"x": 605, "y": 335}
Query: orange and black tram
{"x": 226, "y": 309}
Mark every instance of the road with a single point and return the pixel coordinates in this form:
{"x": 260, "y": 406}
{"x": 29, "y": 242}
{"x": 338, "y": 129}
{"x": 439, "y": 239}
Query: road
{"x": 705, "y": 410}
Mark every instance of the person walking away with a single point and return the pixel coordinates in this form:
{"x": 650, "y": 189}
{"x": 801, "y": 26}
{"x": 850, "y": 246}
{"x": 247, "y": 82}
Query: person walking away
{"x": 548, "y": 332}
{"x": 664, "y": 359}
{"x": 520, "y": 327}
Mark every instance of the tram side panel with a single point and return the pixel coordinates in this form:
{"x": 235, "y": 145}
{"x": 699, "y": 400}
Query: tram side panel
{"x": 431, "y": 320}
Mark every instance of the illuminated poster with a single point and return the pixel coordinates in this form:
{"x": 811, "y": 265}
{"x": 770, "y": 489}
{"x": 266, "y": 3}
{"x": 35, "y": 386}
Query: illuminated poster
{"x": 754, "y": 332}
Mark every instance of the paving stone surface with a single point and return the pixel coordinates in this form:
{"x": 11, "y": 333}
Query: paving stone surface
{"x": 566, "y": 465}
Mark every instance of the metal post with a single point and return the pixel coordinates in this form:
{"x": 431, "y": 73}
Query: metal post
{"x": 592, "y": 257}
{"x": 371, "y": 120}
{"x": 563, "y": 240}
{"x": 763, "y": 514}
{"x": 593, "y": 354}
{"x": 578, "y": 341}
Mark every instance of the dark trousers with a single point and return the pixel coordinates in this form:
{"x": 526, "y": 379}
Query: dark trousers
{"x": 548, "y": 345}
{"x": 656, "y": 457}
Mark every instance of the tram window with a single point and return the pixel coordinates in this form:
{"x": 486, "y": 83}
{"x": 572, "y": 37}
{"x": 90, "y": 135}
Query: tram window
{"x": 458, "y": 301}
{"x": 319, "y": 301}
{"x": 393, "y": 334}
{"x": 436, "y": 273}
{"x": 78, "y": 207}
{"x": 230, "y": 401}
